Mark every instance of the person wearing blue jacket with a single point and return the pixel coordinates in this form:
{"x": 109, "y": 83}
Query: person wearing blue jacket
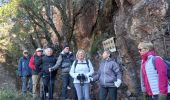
{"x": 24, "y": 72}
{"x": 109, "y": 76}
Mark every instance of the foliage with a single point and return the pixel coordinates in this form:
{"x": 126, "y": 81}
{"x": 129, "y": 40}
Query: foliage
{"x": 10, "y": 94}
{"x": 94, "y": 47}
{"x": 8, "y": 10}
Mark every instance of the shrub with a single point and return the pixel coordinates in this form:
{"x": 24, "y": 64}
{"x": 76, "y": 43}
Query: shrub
{"x": 9, "y": 94}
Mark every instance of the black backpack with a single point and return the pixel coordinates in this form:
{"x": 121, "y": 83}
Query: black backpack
{"x": 76, "y": 61}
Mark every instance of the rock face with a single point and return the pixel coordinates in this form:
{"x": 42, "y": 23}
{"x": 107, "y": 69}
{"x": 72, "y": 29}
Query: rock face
{"x": 137, "y": 21}
{"x": 130, "y": 21}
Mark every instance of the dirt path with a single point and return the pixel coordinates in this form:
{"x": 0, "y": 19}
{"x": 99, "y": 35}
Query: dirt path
{"x": 6, "y": 79}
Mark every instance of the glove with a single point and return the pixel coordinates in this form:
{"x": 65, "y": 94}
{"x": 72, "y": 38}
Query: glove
{"x": 91, "y": 79}
{"x": 162, "y": 97}
{"x": 118, "y": 83}
{"x": 50, "y": 69}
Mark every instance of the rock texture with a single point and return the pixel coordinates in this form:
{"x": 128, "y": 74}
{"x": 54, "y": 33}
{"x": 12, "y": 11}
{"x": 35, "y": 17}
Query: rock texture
{"x": 130, "y": 21}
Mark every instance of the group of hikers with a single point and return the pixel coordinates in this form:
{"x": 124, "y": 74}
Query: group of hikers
{"x": 78, "y": 71}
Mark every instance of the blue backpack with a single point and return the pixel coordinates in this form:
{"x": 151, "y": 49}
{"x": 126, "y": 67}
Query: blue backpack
{"x": 167, "y": 62}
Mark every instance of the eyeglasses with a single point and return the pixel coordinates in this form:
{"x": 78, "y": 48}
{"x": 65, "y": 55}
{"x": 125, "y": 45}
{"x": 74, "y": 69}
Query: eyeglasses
{"x": 140, "y": 49}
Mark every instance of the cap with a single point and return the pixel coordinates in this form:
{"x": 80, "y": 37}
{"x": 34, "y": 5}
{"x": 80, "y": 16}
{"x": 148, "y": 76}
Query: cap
{"x": 66, "y": 46}
{"x": 39, "y": 49}
{"x": 25, "y": 51}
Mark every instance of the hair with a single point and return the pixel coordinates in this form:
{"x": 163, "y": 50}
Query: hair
{"x": 146, "y": 45}
{"x": 48, "y": 49}
{"x": 80, "y": 50}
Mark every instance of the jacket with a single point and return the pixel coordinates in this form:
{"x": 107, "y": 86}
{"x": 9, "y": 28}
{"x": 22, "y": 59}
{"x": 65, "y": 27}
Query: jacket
{"x": 64, "y": 62}
{"x": 23, "y": 67}
{"x": 37, "y": 62}
{"x": 48, "y": 62}
{"x": 154, "y": 79}
{"x": 81, "y": 68}
{"x": 108, "y": 73}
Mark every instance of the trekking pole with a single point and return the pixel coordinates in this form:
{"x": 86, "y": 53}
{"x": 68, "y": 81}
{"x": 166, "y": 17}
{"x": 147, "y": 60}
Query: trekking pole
{"x": 50, "y": 86}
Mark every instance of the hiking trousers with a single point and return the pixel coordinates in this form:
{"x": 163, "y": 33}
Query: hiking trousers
{"x": 112, "y": 91}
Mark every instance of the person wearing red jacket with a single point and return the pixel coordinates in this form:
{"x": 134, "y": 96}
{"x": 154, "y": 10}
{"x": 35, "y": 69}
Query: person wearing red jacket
{"x": 154, "y": 80}
{"x": 35, "y": 64}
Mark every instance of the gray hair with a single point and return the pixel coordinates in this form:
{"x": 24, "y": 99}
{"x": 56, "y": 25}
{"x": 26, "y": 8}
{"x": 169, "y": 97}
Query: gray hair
{"x": 146, "y": 45}
{"x": 47, "y": 50}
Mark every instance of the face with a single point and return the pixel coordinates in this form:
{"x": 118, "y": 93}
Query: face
{"x": 49, "y": 52}
{"x": 66, "y": 49}
{"x": 81, "y": 55}
{"x": 39, "y": 53}
{"x": 105, "y": 55}
{"x": 143, "y": 51}
{"x": 25, "y": 54}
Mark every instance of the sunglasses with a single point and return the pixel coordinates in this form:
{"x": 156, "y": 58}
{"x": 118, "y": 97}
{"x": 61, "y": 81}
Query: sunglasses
{"x": 140, "y": 49}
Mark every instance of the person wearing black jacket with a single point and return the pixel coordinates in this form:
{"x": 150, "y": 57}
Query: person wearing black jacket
{"x": 48, "y": 78}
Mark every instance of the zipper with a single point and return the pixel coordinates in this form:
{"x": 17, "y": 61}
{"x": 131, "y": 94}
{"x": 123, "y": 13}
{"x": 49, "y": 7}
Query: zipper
{"x": 104, "y": 73}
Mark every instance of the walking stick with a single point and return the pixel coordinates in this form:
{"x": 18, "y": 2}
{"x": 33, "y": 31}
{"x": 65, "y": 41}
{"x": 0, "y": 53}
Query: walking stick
{"x": 50, "y": 87}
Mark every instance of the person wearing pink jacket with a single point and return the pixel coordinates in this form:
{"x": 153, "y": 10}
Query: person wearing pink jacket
{"x": 154, "y": 80}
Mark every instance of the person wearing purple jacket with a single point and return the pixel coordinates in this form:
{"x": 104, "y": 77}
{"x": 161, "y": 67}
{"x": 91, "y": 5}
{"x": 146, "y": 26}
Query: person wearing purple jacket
{"x": 109, "y": 76}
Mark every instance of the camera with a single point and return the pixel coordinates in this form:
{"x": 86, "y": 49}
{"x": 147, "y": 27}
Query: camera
{"x": 81, "y": 77}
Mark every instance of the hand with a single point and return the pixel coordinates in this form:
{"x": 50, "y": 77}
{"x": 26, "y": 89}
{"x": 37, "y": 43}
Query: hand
{"x": 50, "y": 69}
{"x": 40, "y": 74}
{"x": 162, "y": 97}
{"x": 118, "y": 83}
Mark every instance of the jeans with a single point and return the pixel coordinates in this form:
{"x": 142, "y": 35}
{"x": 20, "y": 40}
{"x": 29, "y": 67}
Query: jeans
{"x": 66, "y": 80}
{"x": 105, "y": 90}
{"x": 48, "y": 87}
{"x": 83, "y": 91}
{"x": 26, "y": 84}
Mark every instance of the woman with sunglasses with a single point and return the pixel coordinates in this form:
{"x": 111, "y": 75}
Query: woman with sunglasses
{"x": 154, "y": 81}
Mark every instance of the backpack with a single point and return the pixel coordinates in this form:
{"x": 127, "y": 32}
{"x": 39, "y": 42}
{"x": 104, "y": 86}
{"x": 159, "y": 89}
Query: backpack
{"x": 76, "y": 61}
{"x": 167, "y": 65}
{"x": 31, "y": 63}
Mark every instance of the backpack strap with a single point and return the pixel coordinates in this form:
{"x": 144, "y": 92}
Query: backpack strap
{"x": 153, "y": 62}
{"x": 75, "y": 64}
